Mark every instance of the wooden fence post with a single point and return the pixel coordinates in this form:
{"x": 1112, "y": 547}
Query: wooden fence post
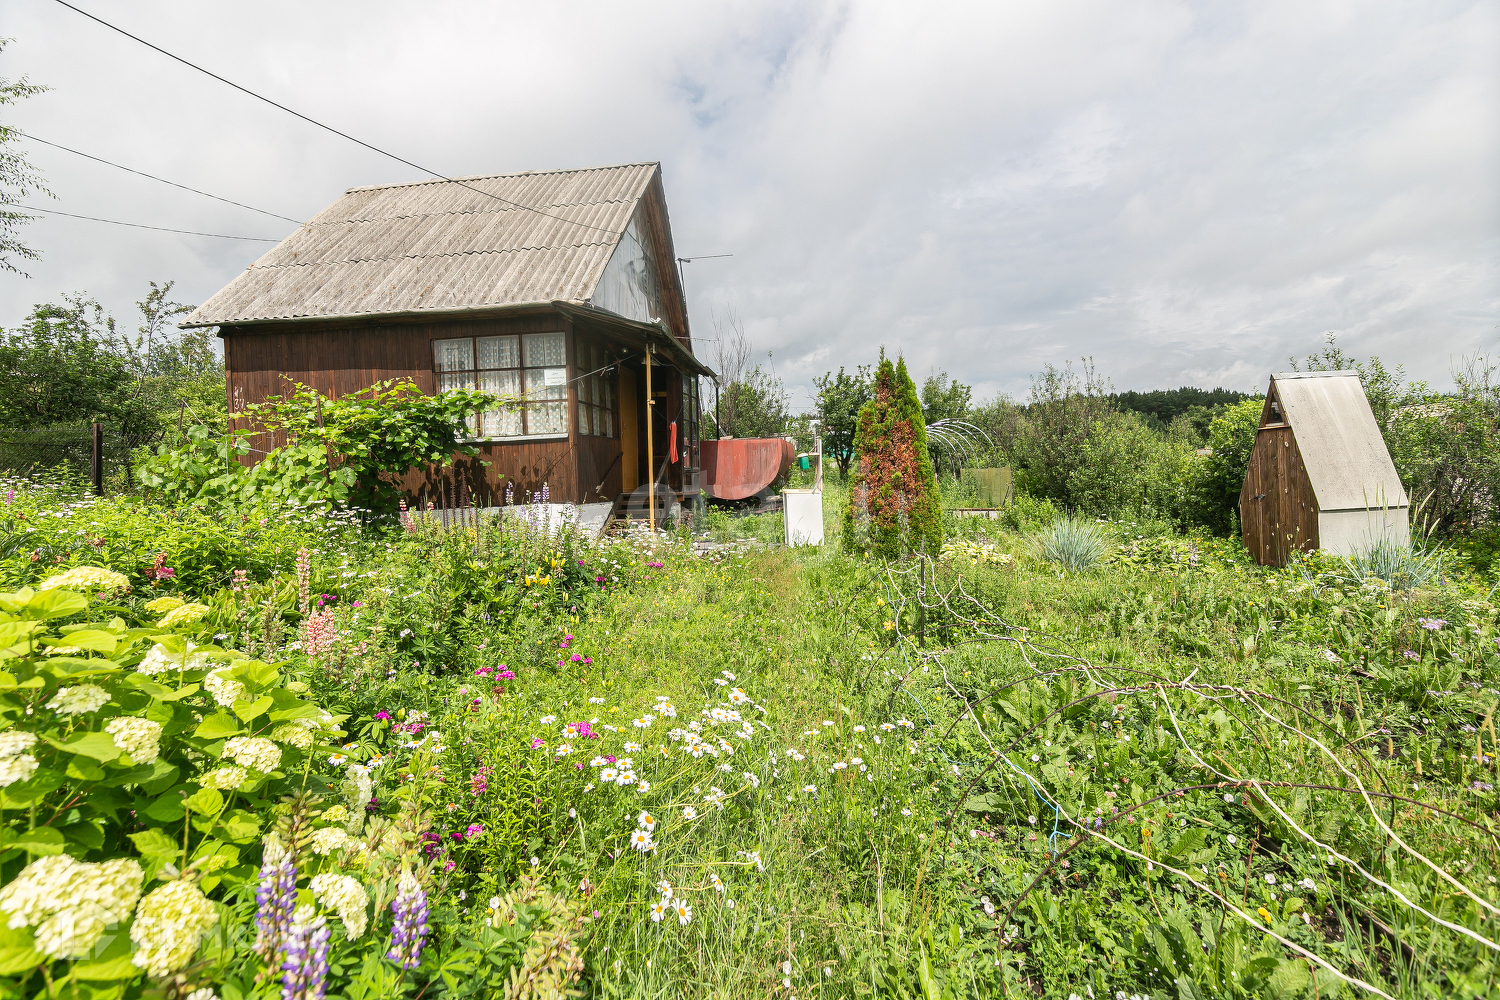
{"x": 96, "y": 469}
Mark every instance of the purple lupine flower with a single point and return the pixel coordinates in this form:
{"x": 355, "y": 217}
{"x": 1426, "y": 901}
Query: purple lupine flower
{"x": 409, "y": 930}
{"x": 275, "y": 898}
{"x": 305, "y": 971}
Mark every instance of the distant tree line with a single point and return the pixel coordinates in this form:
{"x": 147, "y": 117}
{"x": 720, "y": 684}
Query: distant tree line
{"x": 1179, "y": 455}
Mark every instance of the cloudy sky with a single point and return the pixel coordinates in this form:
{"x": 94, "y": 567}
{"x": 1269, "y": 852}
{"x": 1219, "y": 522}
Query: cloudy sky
{"x": 1188, "y": 193}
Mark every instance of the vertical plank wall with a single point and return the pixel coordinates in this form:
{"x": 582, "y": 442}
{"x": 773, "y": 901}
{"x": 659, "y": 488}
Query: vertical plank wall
{"x": 1278, "y": 510}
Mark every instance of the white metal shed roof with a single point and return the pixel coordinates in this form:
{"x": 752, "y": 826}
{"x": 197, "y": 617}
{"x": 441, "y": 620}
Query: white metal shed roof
{"x": 1341, "y": 445}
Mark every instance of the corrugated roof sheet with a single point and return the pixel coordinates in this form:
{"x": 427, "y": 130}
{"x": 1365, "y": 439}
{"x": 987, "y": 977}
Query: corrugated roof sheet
{"x": 441, "y": 245}
{"x": 1341, "y": 445}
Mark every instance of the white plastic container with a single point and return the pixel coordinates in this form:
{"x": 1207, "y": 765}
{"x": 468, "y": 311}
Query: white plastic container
{"x": 802, "y": 511}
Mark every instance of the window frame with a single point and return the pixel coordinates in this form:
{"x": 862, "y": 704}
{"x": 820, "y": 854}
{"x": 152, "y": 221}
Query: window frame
{"x": 589, "y": 383}
{"x": 519, "y": 371}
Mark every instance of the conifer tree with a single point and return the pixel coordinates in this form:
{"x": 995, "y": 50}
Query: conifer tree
{"x": 894, "y": 506}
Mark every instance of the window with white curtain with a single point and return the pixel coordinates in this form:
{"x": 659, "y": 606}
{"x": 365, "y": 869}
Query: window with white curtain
{"x": 533, "y": 366}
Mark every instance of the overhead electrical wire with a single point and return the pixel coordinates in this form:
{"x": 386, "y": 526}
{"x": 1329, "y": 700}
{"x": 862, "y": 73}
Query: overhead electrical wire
{"x": 142, "y": 173}
{"x": 139, "y": 225}
{"x": 329, "y": 128}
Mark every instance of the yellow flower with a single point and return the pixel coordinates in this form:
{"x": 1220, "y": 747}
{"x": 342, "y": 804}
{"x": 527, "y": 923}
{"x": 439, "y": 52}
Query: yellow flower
{"x": 86, "y": 578}
{"x": 183, "y": 615}
{"x": 162, "y": 605}
{"x": 889, "y": 625}
{"x": 1264, "y": 914}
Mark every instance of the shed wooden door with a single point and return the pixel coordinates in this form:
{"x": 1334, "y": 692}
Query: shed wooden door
{"x": 1278, "y": 511}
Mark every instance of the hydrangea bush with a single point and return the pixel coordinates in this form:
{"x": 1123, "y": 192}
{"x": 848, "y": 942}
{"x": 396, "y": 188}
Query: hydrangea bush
{"x": 138, "y": 769}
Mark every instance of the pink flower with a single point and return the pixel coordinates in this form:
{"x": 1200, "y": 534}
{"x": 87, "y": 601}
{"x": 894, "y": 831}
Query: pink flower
{"x": 474, "y": 830}
{"x": 505, "y": 675}
{"x": 576, "y": 657}
{"x": 385, "y": 716}
{"x": 538, "y": 743}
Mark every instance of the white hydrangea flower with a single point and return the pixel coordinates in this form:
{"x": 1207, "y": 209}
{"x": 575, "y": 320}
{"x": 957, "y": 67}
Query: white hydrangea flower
{"x": 328, "y": 839}
{"x": 79, "y": 700}
{"x": 16, "y": 768}
{"x": 223, "y": 778}
{"x": 71, "y": 902}
{"x": 345, "y": 895}
{"x": 225, "y": 689}
{"x": 15, "y": 741}
{"x": 254, "y": 751}
{"x": 156, "y": 661}
{"x": 168, "y": 925}
{"x": 138, "y": 737}
{"x": 68, "y": 933}
{"x": 293, "y": 734}
{"x": 86, "y": 578}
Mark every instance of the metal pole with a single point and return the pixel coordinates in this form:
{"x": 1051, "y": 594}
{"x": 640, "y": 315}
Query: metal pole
{"x": 650, "y": 449}
{"x": 921, "y": 595}
{"x": 96, "y": 467}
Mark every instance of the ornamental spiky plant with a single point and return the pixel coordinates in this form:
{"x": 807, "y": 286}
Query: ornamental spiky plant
{"x": 893, "y": 501}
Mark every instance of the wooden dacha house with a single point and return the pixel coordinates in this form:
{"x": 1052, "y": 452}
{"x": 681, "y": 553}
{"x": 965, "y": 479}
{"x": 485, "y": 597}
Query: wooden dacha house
{"x": 1320, "y": 476}
{"x": 559, "y": 286}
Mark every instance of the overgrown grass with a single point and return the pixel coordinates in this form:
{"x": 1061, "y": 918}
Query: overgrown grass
{"x": 978, "y": 779}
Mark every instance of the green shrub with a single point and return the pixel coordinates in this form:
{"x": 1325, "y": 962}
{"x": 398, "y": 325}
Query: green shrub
{"x": 894, "y": 507}
{"x": 1074, "y": 544}
{"x": 1027, "y": 513}
{"x": 346, "y": 452}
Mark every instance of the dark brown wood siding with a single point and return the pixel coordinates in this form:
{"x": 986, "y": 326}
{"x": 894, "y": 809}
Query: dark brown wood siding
{"x": 1278, "y": 509}
{"x": 338, "y": 359}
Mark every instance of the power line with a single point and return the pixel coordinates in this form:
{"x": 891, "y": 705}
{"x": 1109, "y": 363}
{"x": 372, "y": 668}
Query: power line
{"x": 138, "y": 225}
{"x": 330, "y": 128}
{"x": 142, "y": 173}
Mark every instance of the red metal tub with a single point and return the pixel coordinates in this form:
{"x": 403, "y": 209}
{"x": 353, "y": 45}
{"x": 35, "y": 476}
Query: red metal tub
{"x": 739, "y": 468}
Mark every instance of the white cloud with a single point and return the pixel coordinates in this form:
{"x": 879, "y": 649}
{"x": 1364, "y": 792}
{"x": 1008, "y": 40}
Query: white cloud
{"x": 1188, "y": 193}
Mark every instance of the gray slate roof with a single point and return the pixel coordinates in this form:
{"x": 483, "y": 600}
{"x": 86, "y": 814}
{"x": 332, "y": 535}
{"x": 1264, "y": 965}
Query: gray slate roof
{"x": 1341, "y": 445}
{"x": 437, "y": 246}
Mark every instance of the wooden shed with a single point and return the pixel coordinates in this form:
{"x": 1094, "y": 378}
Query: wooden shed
{"x": 1320, "y": 476}
{"x": 558, "y": 285}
